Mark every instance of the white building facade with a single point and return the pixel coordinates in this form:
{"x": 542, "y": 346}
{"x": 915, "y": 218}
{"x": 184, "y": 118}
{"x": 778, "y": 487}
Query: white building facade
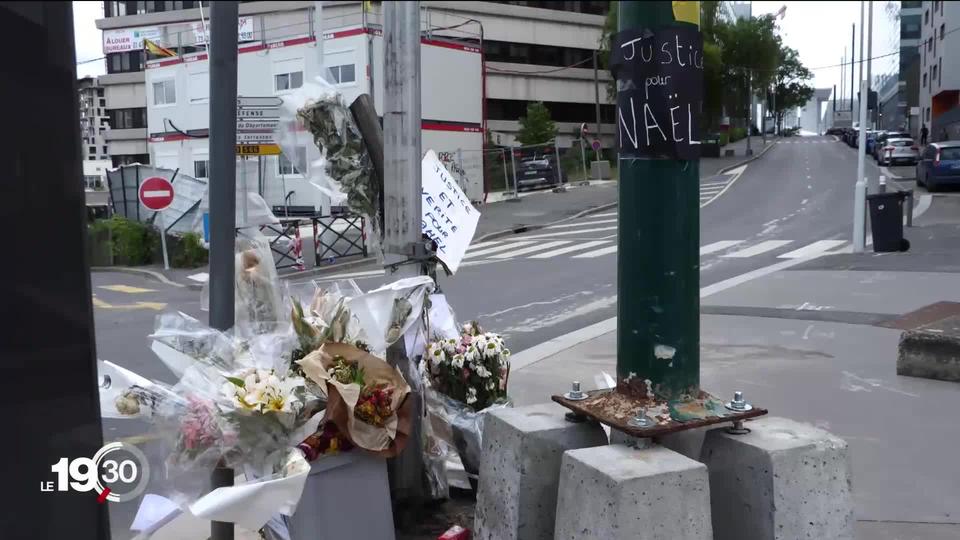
{"x": 940, "y": 69}
{"x": 94, "y": 122}
{"x": 177, "y": 93}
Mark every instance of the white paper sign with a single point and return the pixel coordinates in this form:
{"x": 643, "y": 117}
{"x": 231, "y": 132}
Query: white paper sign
{"x": 244, "y": 30}
{"x": 448, "y": 217}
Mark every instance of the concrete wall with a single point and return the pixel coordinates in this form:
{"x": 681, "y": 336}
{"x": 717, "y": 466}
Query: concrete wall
{"x": 124, "y": 96}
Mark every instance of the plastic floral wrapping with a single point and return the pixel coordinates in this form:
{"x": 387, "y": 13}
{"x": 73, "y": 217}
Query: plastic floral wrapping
{"x": 259, "y": 306}
{"x": 467, "y": 374}
{"x": 344, "y": 172}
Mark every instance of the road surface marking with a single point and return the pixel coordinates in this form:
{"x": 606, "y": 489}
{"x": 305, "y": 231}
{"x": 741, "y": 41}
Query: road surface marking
{"x": 156, "y": 306}
{"x": 565, "y": 233}
{"x": 496, "y": 249}
{"x": 125, "y": 289}
{"x": 201, "y": 277}
{"x": 708, "y": 184}
{"x": 568, "y": 249}
{"x": 816, "y": 248}
{"x": 490, "y": 243}
{"x": 718, "y": 246}
{"x": 735, "y": 175}
{"x": 605, "y": 214}
{"x": 581, "y": 224}
{"x": 596, "y": 253}
{"x": 757, "y": 249}
{"x": 530, "y": 249}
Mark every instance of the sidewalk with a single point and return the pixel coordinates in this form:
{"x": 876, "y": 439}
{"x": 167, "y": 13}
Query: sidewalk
{"x": 818, "y": 343}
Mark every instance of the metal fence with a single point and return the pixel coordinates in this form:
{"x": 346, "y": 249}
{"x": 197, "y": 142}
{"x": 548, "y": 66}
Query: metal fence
{"x": 335, "y": 237}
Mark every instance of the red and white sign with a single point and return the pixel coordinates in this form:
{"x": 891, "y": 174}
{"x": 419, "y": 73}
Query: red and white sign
{"x": 156, "y": 193}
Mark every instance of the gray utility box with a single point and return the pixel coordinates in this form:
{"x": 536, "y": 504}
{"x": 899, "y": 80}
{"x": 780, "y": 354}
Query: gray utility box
{"x": 600, "y": 170}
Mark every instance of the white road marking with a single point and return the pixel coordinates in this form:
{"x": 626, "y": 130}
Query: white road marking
{"x": 581, "y": 224}
{"x": 569, "y": 249}
{"x": 596, "y": 253}
{"x": 531, "y": 249}
{"x": 496, "y": 249}
{"x": 201, "y": 277}
{"x": 605, "y": 214}
{"x": 565, "y": 233}
{"x": 735, "y": 175}
{"x": 718, "y": 246}
{"x": 484, "y": 244}
{"x": 708, "y": 184}
{"x": 816, "y": 248}
{"x": 757, "y": 249}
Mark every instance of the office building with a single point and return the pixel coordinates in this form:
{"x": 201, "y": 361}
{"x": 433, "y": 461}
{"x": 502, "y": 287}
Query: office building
{"x": 93, "y": 119}
{"x": 940, "y": 69}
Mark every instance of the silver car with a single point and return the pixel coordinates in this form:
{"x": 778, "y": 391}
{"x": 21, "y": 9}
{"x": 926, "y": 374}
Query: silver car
{"x": 900, "y": 150}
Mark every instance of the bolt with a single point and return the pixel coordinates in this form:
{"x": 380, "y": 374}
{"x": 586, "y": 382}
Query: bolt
{"x": 738, "y": 428}
{"x": 641, "y": 420}
{"x": 738, "y": 404}
{"x": 575, "y": 394}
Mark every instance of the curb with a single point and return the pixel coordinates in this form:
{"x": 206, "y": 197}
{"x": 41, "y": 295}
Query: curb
{"x": 528, "y": 228}
{"x": 748, "y": 160}
{"x": 156, "y": 276}
{"x": 316, "y": 270}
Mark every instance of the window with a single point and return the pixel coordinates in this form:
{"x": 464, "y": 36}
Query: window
{"x": 924, "y": 80}
{"x": 201, "y": 169}
{"x": 198, "y": 87}
{"x": 930, "y": 44}
{"x": 943, "y": 30}
{"x": 284, "y": 166}
{"x": 165, "y": 92}
{"x": 287, "y": 81}
{"x": 125, "y": 62}
{"x": 104, "y": 150}
{"x": 926, "y": 17}
{"x": 934, "y": 76}
{"x": 928, "y": 114}
{"x": 92, "y": 150}
{"x": 103, "y": 102}
{"x": 343, "y": 74}
{"x": 940, "y": 78}
{"x": 128, "y": 118}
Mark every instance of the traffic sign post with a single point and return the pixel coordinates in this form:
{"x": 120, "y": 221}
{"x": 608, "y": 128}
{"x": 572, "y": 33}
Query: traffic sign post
{"x": 257, "y": 118}
{"x": 156, "y": 193}
{"x": 596, "y": 145}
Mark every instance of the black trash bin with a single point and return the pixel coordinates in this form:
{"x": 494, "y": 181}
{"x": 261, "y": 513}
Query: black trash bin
{"x": 886, "y": 221}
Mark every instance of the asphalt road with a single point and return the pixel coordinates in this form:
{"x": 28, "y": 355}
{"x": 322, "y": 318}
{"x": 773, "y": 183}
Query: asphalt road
{"x": 794, "y": 202}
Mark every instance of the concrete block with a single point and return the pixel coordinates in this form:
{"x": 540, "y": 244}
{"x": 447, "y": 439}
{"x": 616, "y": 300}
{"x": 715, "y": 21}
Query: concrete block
{"x": 931, "y": 354}
{"x": 600, "y": 170}
{"x": 616, "y": 492}
{"x": 520, "y": 468}
{"x": 784, "y": 480}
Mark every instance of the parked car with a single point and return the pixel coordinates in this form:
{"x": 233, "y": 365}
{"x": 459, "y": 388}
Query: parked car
{"x": 895, "y": 151}
{"x": 882, "y": 140}
{"x": 536, "y": 171}
{"x": 939, "y": 165}
{"x": 872, "y": 137}
{"x": 835, "y": 131}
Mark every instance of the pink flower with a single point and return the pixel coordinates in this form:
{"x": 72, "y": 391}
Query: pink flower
{"x": 466, "y": 340}
{"x": 461, "y": 349}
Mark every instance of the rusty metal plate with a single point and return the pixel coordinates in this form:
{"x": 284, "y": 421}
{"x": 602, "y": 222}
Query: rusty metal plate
{"x": 616, "y": 410}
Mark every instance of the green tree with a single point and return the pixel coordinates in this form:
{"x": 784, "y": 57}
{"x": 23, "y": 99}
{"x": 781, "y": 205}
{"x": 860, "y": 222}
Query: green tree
{"x": 750, "y": 48}
{"x": 790, "y": 84}
{"x": 537, "y": 127}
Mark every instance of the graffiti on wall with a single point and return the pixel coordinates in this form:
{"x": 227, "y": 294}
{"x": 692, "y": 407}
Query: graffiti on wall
{"x": 449, "y": 160}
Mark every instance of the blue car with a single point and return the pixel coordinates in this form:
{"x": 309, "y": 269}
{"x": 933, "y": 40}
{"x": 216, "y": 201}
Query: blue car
{"x": 872, "y": 137}
{"x": 939, "y": 165}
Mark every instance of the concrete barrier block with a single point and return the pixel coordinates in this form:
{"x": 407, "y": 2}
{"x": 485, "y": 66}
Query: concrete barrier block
{"x": 617, "y": 492}
{"x": 784, "y": 480}
{"x": 520, "y": 468}
{"x": 931, "y": 355}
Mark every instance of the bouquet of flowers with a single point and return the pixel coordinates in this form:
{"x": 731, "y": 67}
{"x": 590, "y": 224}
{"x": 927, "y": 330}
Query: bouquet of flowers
{"x": 472, "y": 369}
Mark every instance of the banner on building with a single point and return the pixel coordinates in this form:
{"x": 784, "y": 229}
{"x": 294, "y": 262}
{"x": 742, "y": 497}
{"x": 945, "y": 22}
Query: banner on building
{"x": 244, "y": 31}
{"x": 129, "y": 39}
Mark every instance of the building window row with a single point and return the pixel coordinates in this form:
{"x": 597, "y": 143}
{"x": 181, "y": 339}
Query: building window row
{"x": 128, "y": 118}
{"x": 343, "y": 74}
{"x": 513, "y": 109}
{"x": 541, "y": 55}
{"x": 591, "y": 7}
{"x": 120, "y": 9}
{"x": 287, "y": 81}
{"x": 130, "y": 159}
{"x": 125, "y": 62}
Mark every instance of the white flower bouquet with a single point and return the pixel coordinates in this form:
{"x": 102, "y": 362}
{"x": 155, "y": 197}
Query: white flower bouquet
{"x": 472, "y": 369}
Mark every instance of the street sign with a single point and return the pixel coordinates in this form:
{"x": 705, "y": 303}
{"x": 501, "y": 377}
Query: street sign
{"x": 258, "y": 150}
{"x": 255, "y": 137}
{"x": 596, "y": 145}
{"x": 257, "y": 125}
{"x": 258, "y": 102}
{"x": 258, "y": 114}
{"x": 156, "y": 193}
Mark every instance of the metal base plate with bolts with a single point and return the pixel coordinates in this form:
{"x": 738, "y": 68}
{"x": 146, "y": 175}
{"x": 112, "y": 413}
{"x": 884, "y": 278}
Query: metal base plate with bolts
{"x": 635, "y": 417}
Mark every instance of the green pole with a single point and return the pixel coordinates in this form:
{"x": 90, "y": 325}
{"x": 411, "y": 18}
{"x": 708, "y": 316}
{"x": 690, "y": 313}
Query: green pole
{"x": 658, "y": 266}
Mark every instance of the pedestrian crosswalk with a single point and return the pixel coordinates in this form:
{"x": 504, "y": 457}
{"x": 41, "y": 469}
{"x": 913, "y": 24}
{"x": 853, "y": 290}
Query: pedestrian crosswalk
{"x": 804, "y": 141}
{"x": 545, "y": 246}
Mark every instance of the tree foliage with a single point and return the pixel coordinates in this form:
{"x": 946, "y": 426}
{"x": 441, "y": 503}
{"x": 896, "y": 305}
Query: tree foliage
{"x": 790, "y": 88}
{"x": 536, "y": 127}
{"x": 749, "y": 53}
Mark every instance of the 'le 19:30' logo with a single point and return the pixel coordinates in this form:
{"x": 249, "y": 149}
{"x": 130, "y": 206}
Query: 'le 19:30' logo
{"x": 118, "y": 472}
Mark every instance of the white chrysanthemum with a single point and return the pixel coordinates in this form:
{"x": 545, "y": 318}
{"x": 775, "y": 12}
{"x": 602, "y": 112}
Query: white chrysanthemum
{"x": 457, "y": 361}
{"x": 471, "y": 396}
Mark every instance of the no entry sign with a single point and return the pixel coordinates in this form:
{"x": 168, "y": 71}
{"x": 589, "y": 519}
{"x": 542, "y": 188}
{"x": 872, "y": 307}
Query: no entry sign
{"x": 156, "y": 193}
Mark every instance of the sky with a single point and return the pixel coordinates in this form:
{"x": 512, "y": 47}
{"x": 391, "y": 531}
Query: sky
{"x": 87, "y": 38}
{"x": 820, "y": 31}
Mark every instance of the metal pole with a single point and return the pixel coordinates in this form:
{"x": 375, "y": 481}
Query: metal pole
{"x": 583, "y": 159}
{"x": 506, "y": 175}
{"x": 556, "y": 150}
{"x": 460, "y": 167}
{"x": 223, "y": 189}
{"x": 750, "y": 110}
{"x": 853, "y": 58}
{"x": 163, "y": 241}
{"x": 866, "y": 95}
{"x": 243, "y": 188}
{"x": 317, "y": 23}
{"x": 513, "y": 165}
{"x": 596, "y": 98}
{"x": 659, "y": 296}
{"x": 402, "y": 208}
{"x": 860, "y": 188}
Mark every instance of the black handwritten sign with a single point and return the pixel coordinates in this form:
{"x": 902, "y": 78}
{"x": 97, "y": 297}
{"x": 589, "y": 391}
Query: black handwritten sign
{"x": 660, "y": 91}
